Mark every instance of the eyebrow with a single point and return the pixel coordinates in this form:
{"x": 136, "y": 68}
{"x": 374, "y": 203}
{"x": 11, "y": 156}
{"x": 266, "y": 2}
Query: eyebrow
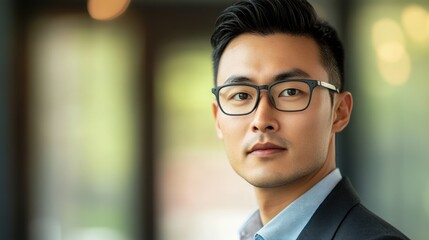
{"x": 294, "y": 73}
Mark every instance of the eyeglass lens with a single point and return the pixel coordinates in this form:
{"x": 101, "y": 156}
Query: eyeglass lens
{"x": 285, "y": 96}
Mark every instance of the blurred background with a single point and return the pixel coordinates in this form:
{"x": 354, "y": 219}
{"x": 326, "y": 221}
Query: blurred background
{"x": 106, "y": 129}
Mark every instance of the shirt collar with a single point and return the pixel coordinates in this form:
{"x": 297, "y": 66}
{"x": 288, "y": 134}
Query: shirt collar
{"x": 289, "y": 223}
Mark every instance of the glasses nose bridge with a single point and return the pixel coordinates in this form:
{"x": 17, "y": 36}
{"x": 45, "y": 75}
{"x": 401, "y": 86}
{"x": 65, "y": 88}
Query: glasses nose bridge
{"x": 263, "y": 87}
{"x": 270, "y": 98}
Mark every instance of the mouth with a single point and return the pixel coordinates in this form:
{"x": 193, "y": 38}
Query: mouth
{"x": 265, "y": 149}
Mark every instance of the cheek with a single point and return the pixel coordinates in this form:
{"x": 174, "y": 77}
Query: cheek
{"x": 310, "y": 129}
{"x": 319, "y": 113}
{"x": 233, "y": 131}
{"x": 233, "y": 136}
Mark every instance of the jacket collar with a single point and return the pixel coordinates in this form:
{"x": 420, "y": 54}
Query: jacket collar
{"x": 328, "y": 217}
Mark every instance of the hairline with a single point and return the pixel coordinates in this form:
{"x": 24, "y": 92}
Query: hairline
{"x": 331, "y": 69}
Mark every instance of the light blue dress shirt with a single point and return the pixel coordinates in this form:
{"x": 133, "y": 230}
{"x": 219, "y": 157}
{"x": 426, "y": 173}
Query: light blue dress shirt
{"x": 289, "y": 223}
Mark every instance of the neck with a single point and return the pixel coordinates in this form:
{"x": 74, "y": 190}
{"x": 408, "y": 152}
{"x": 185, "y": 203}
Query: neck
{"x": 272, "y": 201}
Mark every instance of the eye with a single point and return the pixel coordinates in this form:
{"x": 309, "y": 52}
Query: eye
{"x": 241, "y": 96}
{"x": 290, "y": 92}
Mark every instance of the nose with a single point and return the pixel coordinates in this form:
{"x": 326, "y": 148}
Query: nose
{"x": 264, "y": 116}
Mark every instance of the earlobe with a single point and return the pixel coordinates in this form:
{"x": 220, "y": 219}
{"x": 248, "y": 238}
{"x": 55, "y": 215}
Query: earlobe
{"x": 343, "y": 111}
{"x": 215, "y": 110}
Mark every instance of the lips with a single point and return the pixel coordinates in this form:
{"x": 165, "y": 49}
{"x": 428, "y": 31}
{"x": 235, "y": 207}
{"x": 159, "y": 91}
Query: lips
{"x": 265, "y": 149}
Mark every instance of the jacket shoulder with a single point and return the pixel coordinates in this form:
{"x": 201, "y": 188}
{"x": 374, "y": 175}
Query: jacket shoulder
{"x": 342, "y": 216}
{"x": 360, "y": 223}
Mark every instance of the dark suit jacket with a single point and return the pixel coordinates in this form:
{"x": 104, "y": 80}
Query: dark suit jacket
{"x": 342, "y": 216}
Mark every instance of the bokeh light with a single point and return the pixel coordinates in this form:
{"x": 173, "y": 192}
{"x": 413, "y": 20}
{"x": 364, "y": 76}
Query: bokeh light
{"x": 107, "y": 9}
{"x": 415, "y": 20}
{"x": 392, "y": 57}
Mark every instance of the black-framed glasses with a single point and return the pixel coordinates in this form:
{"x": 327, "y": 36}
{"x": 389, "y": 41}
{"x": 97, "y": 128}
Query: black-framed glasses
{"x": 294, "y": 95}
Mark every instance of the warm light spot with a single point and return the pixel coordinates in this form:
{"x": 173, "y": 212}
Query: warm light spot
{"x": 395, "y": 72}
{"x": 391, "y": 51}
{"x": 385, "y": 31}
{"x": 427, "y": 25}
{"x": 107, "y": 9}
{"x": 393, "y": 59}
{"x": 415, "y": 20}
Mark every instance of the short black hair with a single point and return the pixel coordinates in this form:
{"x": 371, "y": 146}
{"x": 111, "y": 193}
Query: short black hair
{"x": 294, "y": 17}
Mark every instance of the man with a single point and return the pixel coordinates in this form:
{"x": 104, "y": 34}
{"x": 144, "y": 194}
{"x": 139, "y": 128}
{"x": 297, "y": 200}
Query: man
{"x": 280, "y": 101}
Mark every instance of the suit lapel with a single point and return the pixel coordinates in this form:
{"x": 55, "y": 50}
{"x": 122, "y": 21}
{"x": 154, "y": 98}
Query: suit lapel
{"x": 327, "y": 218}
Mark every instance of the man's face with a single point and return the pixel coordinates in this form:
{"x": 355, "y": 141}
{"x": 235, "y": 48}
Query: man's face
{"x": 269, "y": 148}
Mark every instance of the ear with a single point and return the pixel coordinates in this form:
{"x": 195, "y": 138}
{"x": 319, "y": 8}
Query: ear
{"x": 342, "y": 111}
{"x": 215, "y": 110}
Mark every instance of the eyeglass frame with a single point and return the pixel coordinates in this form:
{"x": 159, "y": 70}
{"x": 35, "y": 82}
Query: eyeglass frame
{"x": 310, "y": 82}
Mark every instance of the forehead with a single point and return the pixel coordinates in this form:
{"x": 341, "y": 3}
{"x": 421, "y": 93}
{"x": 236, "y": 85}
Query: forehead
{"x": 262, "y": 57}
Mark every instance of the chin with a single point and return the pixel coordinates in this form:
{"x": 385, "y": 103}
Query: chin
{"x": 268, "y": 184}
{"x": 270, "y": 181}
